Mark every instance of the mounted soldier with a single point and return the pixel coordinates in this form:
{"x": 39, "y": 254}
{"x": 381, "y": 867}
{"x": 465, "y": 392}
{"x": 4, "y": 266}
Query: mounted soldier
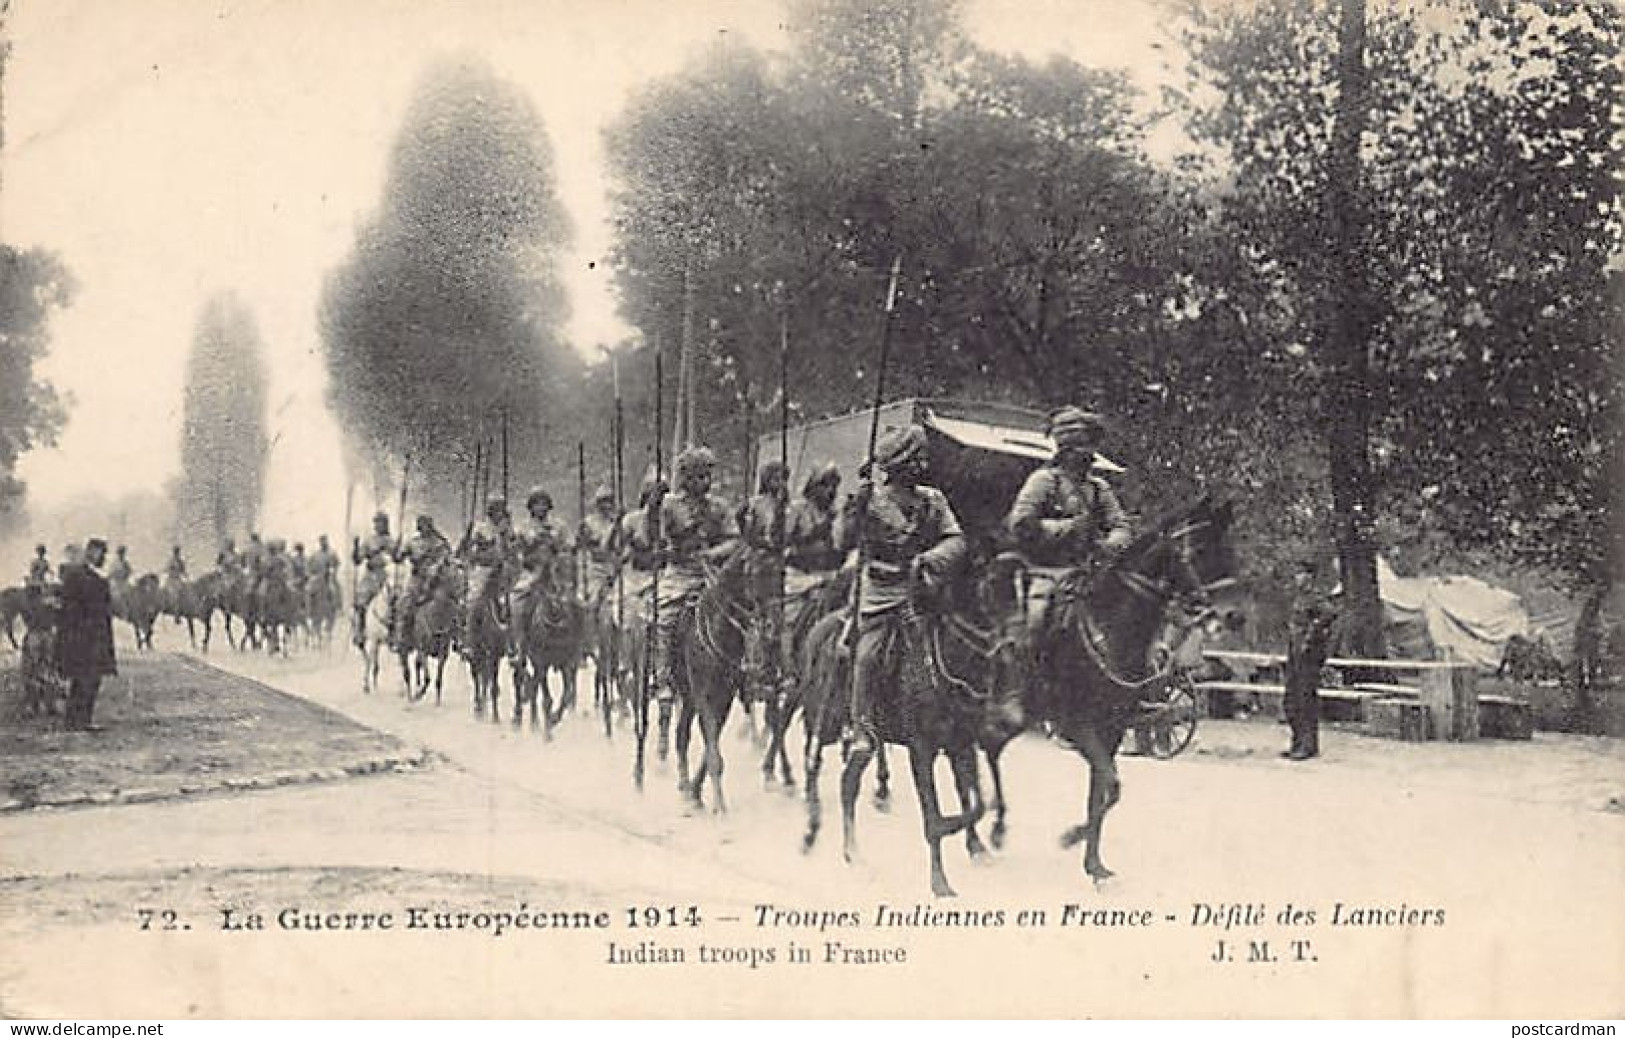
{"x": 633, "y": 551}
{"x": 914, "y": 544}
{"x": 689, "y": 529}
{"x": 175, "y": 568}
{"x": 228, "y": 562}
{"x": 595, "y": 540}
{"x": 810, "y": 552}
{"x": 254, "y": 560}
{"x": 39, "y": 568}
{"x": 298, "y": 570}
{"x": 541, "y": 544}
{"x": 120, "y": 572}
{"x": 1064, "y": 517}
{"x": 427, "y": 552}
{"x": 372, "y": 556}
{"x": 323, "y": 567}
{"x": 275, "y": 568}
{"x": 486, "y": 554}
{"x": 763, "y": 517}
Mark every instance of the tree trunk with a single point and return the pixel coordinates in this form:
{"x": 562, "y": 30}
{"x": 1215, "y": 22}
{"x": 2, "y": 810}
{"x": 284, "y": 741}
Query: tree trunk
{"x": 1583, "y": 667}
{"x": 1348, "y": 396}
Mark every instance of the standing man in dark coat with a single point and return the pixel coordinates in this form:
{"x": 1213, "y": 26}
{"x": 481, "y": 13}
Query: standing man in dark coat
{"x": 85, "y": 635}
{"x": 1309, "y": 638}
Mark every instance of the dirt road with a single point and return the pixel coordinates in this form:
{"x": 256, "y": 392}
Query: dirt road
{"x": 1512, "y": 846}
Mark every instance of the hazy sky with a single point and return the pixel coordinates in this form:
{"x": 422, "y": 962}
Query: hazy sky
{"x": 169, "y": 148}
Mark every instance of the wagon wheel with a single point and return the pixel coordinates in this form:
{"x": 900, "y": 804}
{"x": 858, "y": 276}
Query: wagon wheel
{"x": 1174, "y": 725}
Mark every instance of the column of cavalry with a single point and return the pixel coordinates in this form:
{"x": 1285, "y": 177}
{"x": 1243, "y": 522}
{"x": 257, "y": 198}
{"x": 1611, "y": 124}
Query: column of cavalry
{"x": 874, "y": 617}
{"x": 266, "y": 596}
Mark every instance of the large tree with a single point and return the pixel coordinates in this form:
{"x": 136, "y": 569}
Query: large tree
{"x": 444, "y": 324}
{"x": 1472, "y": 284}
{"x": 1040, "y": 250}
{"x": 32, "y": 285}
{"x": 224, "y": 446}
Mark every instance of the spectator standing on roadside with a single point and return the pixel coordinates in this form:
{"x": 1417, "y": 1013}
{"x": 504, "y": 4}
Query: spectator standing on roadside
{"x": 84, "y": 642}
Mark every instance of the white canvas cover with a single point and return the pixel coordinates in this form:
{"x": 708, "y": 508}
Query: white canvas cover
{"x": 1459, "y": 616}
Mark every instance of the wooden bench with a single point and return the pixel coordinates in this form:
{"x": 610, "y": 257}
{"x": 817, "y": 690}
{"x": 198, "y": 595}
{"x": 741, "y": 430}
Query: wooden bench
{"x": 1446, "y": 688}
{"x": 1337, "y": 704}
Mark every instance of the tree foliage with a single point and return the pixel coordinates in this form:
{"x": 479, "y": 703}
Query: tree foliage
{"x": 224, "y": 446}
{"x": 1042, "y": 253}
{"x": 447, "y": 315}
{"x": 1489, "y": 183}
{"x": 32, "y": 285}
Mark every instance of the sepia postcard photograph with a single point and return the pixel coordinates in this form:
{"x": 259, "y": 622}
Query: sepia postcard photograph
{"x": 812, "y": 509}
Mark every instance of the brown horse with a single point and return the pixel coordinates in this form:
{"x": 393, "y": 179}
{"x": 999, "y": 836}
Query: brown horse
{"x": 433, "y": 626}
{"x": 552, "y": 641}
{"x": 1089, "y": 676}
{"x": 937, "y": 704}
{"x": 711, "y": 670}
{"x": 196, "y": 601}
{"x": 139, "y": 607}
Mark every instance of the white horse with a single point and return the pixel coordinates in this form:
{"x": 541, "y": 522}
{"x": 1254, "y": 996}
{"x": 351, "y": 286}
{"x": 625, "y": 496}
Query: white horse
{"x": 374, "y": 636}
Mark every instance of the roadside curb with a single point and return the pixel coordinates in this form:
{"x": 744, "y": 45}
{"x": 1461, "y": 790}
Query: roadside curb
{"x": 392, "y": 764}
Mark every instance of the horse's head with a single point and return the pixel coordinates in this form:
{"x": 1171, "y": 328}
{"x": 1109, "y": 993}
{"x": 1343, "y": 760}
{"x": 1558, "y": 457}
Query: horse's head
{"x": 1181, "y": 558}
{"x": 748, "y": 575}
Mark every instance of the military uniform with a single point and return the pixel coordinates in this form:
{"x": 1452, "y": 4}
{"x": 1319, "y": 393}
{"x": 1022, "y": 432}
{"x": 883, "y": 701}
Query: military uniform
{"x": 908, "y": 532}
{"x": 810, "y": 551}
{"x": 299, "y": 571}
{"x": 540, "y": 548}
{"x": 690, "y": 528}
{"x": 1060, "y": 520}
{"x": 120, "y": 572}
{"x": 597, "y": 549}
{"x": 488, "y": 556}
{"x": 39, "y": 572}
{"x": 373, "y": 556}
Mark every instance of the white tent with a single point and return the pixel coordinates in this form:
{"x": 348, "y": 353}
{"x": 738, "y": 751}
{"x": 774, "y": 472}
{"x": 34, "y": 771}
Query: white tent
{"x": 1462, "y": 617}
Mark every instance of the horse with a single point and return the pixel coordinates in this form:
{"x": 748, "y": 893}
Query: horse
{"x": 711, "y": 669}
{"x": 13, "y": 603}
{"x": 276, "y": 606}
{"x": 235, "y": 600}
{"x": 196, "y": 601}
{"x": 801, "y": 613}
{"x": 1088, "y": 670}
{"x": 375, "y": 634}
{"x": 552, "y": 640}
{"x": 484, "y": 643}
{"x": 322, "y": 607}
{"x": 433, "y": 626}
{"x": 945, "y": 684}
{"x": 142, "y": 601}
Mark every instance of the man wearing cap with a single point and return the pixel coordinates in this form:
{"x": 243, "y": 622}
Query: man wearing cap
{"x": 84, "y": 644}
{"x": 689, "y": 529}
{"x": 1064, "y": 517}
{"x": 427, "y": 552}
{"x": 913, "y": 543}
{"x": 541, "y": 545}
{"x": 373, "y": 556}
{"x": 487, "y": 553}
